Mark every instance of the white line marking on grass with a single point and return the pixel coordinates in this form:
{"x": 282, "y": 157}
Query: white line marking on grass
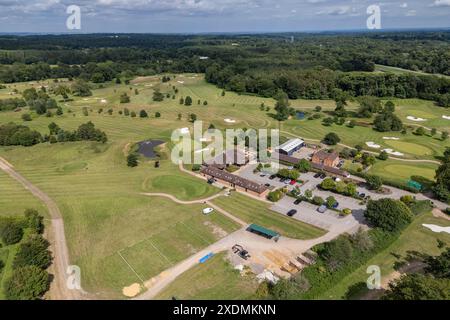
{"x": 200, "y": 237}
{"x": 160, "y": 253}
{"x": 129, "y": 265}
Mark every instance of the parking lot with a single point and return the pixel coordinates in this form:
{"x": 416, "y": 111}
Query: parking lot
{"x": 307, "y": 212}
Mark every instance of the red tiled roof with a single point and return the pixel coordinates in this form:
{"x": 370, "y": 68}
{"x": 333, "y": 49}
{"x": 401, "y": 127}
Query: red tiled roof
{"x": 234, "y": 179}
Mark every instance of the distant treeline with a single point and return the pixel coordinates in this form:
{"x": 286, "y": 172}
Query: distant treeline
{"x": 322, "y": 84}
{"x": 310, "y": 67}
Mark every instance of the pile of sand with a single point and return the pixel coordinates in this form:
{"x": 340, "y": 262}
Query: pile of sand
{"x": 132, "y": 290}
{"x": 394, "y": 153}
{"x": 415, "y": 119}
{"x": 372, "y": 144}
{"x": 391, "y": 138}
{"x": 437, "y": 229}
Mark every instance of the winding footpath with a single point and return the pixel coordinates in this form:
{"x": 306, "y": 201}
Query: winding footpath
{"x": 58, "y": 245}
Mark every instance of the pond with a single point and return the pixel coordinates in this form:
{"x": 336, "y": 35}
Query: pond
{"x": 147, "y": 148}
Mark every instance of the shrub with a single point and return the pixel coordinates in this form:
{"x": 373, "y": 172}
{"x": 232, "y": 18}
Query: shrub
{"x": 34, "y": 220}
{"x": 388, "y": 214}
{"x": 318, "y": 200}
{"x": 11, "y": 232}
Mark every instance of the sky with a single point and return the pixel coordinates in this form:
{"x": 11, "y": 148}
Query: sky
{"x": 202, "y": 16}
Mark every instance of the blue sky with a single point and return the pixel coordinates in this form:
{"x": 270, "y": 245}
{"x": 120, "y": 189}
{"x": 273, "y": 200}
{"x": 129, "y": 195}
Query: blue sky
{"x": 186, "y": 16}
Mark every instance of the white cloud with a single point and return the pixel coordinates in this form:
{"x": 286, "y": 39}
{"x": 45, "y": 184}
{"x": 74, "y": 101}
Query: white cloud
{"x": 441, "y": 3}
{"x": 404, "y": 5}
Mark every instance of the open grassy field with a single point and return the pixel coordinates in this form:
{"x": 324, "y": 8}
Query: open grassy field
{"x": 254, "y": 211}
{"x": 414, "y": 238}
{"x": 216, "y": 279}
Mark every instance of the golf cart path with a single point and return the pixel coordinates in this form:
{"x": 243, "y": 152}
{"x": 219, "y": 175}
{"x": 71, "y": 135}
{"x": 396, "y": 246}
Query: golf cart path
{"x": 59, "y": 289}
{"x": 368, "y": 151}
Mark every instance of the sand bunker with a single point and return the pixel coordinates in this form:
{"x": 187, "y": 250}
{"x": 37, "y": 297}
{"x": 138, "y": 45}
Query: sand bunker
{"x": 446, "y": 117}
{"x": 415, "y": 119}
{"x": 437, "y": 229}
{"x": 372, "y": 144}
{"x": 394, "y": 153}
{"x": 391, "y": 138}
{"x": 229, "y": 120}
{"x": 103, "y": 101}
{"x": 180, "y": 81}
{"x": 184, "y": 130}
{"x": 132, "y": 290}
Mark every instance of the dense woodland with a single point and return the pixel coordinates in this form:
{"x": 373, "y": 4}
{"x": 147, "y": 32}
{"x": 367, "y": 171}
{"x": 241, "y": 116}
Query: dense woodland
{"x": 312, "y": 67}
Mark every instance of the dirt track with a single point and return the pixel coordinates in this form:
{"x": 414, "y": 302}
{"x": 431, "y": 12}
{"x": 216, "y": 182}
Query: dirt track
{"x": 58, "y": 245}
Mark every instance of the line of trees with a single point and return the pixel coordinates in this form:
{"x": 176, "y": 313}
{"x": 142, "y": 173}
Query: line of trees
{"x": 29, "y": 279}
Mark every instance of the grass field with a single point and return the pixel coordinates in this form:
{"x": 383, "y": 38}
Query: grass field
{"x": 254, "y": 211}
{"x": 216, "y": 279}
{"x": 414, "y": 238}
{"x": 393, "y": 170}
{"x": 14, "y": 199}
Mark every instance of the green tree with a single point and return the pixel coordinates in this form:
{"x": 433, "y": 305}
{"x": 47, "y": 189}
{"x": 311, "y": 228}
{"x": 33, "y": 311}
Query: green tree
{"x": 303, "y": 166}
{"x": 418, "y": 287}
{"x": 26, "y": 117}
{"x": 388, "y": 214}
{"x": 10, "y": 232}
{"x": 374, "y": 182}
{"x": 383, "y": 155}
{"x": 328, "y": 184}
{"x": 27, "y": 283}
{"x": 331, "y": 201}
{"x": 444, "y": 135}
{"x": 124, "y": 98}
{"x": 188, "y": 101}
{"x": 193, "y": 117}
{"x": 33, "y": 252}
{"x": 143, "y": 114}
{"x": 132, "y": 160}
{"x": 331, "y": 139}
{"x": 34, "y": 220}
{"x": 157, "y": 95}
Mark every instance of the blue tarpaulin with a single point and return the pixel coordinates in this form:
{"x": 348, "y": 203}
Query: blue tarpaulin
{"x": 206, "y": 258}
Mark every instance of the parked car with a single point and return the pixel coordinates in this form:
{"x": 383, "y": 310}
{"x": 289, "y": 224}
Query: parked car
{"x": 244, "y": 254}
{"x": 322, "y": 209}
{"x": 292, "y": 212}
{"x": 362, "y": 195}
{"x": 237, "y": 248}
{"x": 323, "y": 176}
{"x": 208, "y": 210}
{"x": 282, "y": 179}
{"x": 298, "y": 201}
{"x": 287, "y": 181}
{"x": 267, "y": 185}
{"x": 293, "y": 182}
{"x": 336, "y": 205}
{"x": 317, "y": 175}
{"x": 272, "y": 177}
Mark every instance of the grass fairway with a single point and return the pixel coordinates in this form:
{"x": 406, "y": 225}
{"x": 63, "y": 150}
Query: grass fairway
{"x": 14, "y": 199}
{"x": 216, "y": 279}
{"x": 414, "y": 238}
{"x": 392, "y": 170}
{"x": 410, "y": 148}
{"x": 254, "y": 211}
